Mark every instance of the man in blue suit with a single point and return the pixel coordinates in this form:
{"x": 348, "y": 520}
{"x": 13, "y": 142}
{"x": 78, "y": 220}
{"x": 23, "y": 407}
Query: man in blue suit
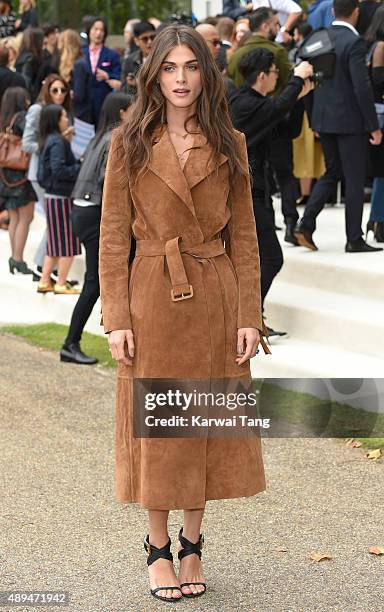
{"x": 104, "y": 65}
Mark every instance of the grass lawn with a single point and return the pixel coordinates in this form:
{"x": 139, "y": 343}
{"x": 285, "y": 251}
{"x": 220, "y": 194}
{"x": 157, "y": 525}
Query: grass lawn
{"x": 296, "y": 409}
{"x": 51, "y": 336}
{"x": 329, "y": 419}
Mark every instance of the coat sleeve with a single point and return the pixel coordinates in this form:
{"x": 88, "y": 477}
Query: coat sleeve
{"x": 80, "y": 82}
{"x": 244, "y": 248}
{"x": 115, "y": 70}
{"x": 58, "y": 164}
{"x": 31, "y": 131}
{"x": 230, "y": 9}
{"x": 115, "y": 243}
{"x": 362, "y": 85}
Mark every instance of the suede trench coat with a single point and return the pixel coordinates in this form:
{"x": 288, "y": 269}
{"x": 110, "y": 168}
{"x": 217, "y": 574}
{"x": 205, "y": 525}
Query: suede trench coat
{"x": 172, "y": 212}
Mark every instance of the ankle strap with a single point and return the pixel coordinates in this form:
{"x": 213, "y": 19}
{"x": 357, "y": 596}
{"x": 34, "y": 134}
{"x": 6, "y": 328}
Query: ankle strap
{"x": 155, "y": 553}
{"x": 189, "y": 548}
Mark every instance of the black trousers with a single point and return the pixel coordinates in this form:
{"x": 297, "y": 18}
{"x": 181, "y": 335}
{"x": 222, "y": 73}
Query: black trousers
{"x": 86, "y": 224}
{"x": 345, "y": 156}
{"x": 281, "y": 157}
{"x": 271, "y": 255}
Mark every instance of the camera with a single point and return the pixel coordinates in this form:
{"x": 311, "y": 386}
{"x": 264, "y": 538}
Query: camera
{"x": 318, "y": 49}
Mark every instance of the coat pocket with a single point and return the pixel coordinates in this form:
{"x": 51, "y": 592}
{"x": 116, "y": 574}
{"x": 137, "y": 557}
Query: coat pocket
{"x": 233, "y": 270}
{"x": 132, "y": 274}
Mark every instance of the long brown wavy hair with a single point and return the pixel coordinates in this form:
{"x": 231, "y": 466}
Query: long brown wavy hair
{"x": 149, "y": 110}
{"x": 69, "y": 46}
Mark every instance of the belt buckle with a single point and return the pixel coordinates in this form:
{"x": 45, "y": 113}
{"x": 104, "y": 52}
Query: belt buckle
{"x": 182, "y": 296}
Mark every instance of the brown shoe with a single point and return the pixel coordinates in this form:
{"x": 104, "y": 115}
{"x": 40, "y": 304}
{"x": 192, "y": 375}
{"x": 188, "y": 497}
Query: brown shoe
{"x": 304, "y": 238}
{"x": 65, "y": 289}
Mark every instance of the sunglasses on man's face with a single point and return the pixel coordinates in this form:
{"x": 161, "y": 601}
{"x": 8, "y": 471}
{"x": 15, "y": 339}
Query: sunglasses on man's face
{"x": 57, "y": 90}
{"x": 146, "y": 39}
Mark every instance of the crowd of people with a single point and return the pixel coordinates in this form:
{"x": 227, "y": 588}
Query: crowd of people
{"x": 302, "y": 139}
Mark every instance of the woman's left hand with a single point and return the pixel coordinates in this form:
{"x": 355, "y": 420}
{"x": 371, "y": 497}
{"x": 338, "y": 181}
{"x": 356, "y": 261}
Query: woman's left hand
{"x": 248, "y": 339}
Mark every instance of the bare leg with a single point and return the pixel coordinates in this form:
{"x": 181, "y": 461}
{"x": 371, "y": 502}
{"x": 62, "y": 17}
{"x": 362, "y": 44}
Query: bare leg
{"x": 49, "y": 264}
{"x": 22, "y": 229}
{"x": 13, "y": 221}
{"x": 305, "y": 186}
{"x": 64, "y": 266}
{"x": 190, "y": 567}
{"x": 161, "y": 572}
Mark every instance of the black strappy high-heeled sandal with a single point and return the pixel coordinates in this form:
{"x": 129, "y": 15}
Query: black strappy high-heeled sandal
{"x": 155, "y": 553}
{"x": 189, "y": 549}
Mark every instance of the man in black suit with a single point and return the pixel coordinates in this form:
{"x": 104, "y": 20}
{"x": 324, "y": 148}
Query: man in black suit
{"x": 344, "y": 115}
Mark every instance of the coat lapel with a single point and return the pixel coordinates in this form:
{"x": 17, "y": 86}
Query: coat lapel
{"x": 166, "y": 166}
{"x": 199, "y": 164}
{"x": 102, "y": 55}
{"x": 87, "y": 58}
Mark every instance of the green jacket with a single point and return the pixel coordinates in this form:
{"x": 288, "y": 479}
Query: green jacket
{"x": 255, "y": 42}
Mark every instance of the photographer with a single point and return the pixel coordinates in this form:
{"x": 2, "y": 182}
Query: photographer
{"x": 260, "y": 116}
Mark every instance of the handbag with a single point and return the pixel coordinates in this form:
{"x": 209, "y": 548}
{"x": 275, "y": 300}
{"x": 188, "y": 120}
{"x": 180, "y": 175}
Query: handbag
{"x": 12, "y": 156}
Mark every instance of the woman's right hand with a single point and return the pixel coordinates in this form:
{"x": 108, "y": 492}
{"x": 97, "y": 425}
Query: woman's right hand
{"x": 117, "y": 340}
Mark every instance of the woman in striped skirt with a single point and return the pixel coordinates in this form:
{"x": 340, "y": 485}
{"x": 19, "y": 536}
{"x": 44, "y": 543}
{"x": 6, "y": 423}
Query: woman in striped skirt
{"x": 57, "y": 173}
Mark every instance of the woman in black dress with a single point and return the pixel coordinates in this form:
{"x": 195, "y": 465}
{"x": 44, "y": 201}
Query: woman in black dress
{"x": 28, "y": 15}
{"x": 15, "y": 189}
{"x": 29, "y": 62}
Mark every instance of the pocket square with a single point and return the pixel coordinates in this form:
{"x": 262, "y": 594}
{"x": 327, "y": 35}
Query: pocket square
{"x": 105, "y": 63}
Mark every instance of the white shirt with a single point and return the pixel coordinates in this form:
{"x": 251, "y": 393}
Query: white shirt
{"x": 338, "y": 22}
{"x": 283, "y": 8}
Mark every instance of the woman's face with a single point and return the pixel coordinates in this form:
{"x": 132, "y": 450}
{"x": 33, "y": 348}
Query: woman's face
{"x": 180, "y": 78}
{"x": 124, "y": 113}
{"x": 97, "y": 33}
{"x": 241, "y": 29}
{"x": 25, "y": 4}
{"x": 57, "y": 92}
{"x": 63, "y": 123}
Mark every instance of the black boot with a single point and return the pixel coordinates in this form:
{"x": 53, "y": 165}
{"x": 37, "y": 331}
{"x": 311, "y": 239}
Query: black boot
{"x": 72, "y": 353}
{"x": 289, "y": 233}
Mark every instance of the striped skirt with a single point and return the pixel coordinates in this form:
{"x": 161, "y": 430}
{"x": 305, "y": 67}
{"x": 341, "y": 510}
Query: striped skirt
{"x": 62, "y": 242}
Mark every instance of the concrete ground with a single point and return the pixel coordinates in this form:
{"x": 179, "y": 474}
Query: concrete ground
{"x": 61, "y": 528}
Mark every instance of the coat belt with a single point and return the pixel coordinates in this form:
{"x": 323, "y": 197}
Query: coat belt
{"x": 181, "y": 288}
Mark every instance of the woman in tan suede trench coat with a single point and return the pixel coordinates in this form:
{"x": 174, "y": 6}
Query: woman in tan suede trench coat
{"x": 184, "y": 309}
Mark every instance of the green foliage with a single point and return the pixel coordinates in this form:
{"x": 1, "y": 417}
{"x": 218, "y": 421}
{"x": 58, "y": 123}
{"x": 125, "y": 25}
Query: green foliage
{"x": 116, "y": 12}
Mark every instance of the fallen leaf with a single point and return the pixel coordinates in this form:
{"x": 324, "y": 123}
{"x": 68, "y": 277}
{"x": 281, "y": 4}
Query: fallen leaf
{"x": 353, "y": 443}
{"x": 375, "y": 454}
{"x": 320, "y": 557}
{"x": 376, "y": 550}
